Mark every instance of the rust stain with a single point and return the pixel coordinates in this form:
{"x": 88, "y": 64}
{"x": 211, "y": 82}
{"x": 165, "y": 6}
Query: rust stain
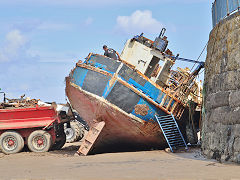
{"x": 141, "y": 109}
{"x": 94, "y": 69}
{"x": 150, "y": 128}
{"x": 115, "y": 77}
{"x": 142, "y": 95}
{"x": 133, "y": 67}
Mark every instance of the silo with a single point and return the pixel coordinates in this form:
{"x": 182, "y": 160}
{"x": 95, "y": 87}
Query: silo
{"x": 221, "y": 107}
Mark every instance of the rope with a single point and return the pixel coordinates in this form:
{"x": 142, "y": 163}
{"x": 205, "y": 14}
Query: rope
{"x": 206, "y": 46}
{"x": 199, "y": 56}
{"x": 212, "y": 49}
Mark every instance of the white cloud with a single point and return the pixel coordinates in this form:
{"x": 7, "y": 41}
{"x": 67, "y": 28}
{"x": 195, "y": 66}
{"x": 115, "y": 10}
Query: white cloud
{"x": 15, "y": 44}
{"x": 137, "y": 22}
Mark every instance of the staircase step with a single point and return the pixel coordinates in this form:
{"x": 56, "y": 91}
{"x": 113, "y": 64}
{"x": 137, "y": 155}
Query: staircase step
{"x": 171, "y": 131}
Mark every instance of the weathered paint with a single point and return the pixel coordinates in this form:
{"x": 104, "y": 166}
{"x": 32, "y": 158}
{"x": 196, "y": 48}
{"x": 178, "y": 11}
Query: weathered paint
{"x": 139, "y": 55}
{"x": 153, "y": 90}
{"x": 142, "y": 57}
{"x": 111, "y": 94}
{"x": 79, "y": 75}
{"x": 27, "y": 118}
{"x": 140, "y": 84}
{"x": 92, "y": 136}
{"x": 153, "y": 110}
{"x": 122, "y": 131}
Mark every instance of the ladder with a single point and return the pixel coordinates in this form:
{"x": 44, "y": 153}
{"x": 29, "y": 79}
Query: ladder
{"x": 91, "y": 137}
{"x": 171, "y": 132}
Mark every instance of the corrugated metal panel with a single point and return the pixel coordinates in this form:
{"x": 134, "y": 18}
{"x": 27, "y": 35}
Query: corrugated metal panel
{"x": 232, "y": 5}
{"x": 214, "y": 15}
{"x": 222, "y": 8}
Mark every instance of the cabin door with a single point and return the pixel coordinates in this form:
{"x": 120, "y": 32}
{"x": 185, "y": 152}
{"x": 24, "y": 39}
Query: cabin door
{"x": 151, "y": 66}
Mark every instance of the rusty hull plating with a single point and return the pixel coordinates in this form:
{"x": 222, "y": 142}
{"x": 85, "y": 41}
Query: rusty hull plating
{"x": 119, "y": 99}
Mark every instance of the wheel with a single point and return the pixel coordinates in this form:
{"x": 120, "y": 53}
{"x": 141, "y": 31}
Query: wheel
{"x": 75, "y": 132}
{"x": 60, "y": 138}
{"x": 39, "y": 141}
{"x": 11, "y": 142}
{"x": 60, "y": 141}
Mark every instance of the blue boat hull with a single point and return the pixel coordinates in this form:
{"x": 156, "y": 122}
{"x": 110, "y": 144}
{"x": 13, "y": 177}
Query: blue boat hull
{"x": 102, "y": 89}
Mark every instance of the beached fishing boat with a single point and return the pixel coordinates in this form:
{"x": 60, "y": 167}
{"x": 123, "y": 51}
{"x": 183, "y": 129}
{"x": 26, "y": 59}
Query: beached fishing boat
{"x": 119, "y": 99}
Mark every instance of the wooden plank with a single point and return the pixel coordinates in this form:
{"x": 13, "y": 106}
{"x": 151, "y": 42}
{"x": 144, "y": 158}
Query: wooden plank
{"x": 91, "y": 137}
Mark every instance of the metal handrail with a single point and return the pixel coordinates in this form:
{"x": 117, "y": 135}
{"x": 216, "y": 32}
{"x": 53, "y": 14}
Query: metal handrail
{"x": 223, "y": 8}
{"x": 171, "y": 131}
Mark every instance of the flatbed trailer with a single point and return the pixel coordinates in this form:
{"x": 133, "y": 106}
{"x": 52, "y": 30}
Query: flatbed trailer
{"x": 40, "y": 128}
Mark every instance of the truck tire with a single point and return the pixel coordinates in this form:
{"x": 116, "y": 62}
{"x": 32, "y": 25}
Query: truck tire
{"x": 60, "y": 142}
{"x": 39, "y": 141}
{"x": 75, "y": 132}
{"x": 11, "y": 142}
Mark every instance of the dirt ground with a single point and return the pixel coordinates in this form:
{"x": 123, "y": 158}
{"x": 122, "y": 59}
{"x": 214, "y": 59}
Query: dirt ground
{"x": 63, "y": 164}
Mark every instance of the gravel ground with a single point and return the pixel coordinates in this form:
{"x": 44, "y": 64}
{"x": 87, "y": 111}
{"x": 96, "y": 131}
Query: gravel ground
{"x": 63, "y": 164}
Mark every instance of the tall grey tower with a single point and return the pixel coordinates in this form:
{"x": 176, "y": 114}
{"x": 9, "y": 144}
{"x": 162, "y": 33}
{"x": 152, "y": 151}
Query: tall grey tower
{"x": 221, "y": 108}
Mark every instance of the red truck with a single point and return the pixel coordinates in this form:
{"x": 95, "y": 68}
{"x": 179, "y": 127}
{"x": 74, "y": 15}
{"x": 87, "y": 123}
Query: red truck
{"x": 40, "y": 128}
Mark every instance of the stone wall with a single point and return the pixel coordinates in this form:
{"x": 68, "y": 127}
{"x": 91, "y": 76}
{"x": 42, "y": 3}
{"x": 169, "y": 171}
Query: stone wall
{"x": 221, "y": 108}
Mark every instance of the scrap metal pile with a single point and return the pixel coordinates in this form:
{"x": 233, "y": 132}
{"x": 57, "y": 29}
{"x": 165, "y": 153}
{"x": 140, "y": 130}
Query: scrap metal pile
{"x": 19, "y": 103}
{"x": 183, "y": 85}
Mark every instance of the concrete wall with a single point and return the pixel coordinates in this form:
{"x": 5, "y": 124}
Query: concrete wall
{"x": 221, "y": 111}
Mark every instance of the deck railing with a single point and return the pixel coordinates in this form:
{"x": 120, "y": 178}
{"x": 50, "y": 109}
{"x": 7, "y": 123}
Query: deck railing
{"x": 223, "y": 8}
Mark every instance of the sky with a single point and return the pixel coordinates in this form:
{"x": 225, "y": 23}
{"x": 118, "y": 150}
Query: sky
{"x": 41, "y": 40}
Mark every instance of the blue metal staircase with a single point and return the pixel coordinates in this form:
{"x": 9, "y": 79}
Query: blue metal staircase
{"x": 171, "y": 132}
